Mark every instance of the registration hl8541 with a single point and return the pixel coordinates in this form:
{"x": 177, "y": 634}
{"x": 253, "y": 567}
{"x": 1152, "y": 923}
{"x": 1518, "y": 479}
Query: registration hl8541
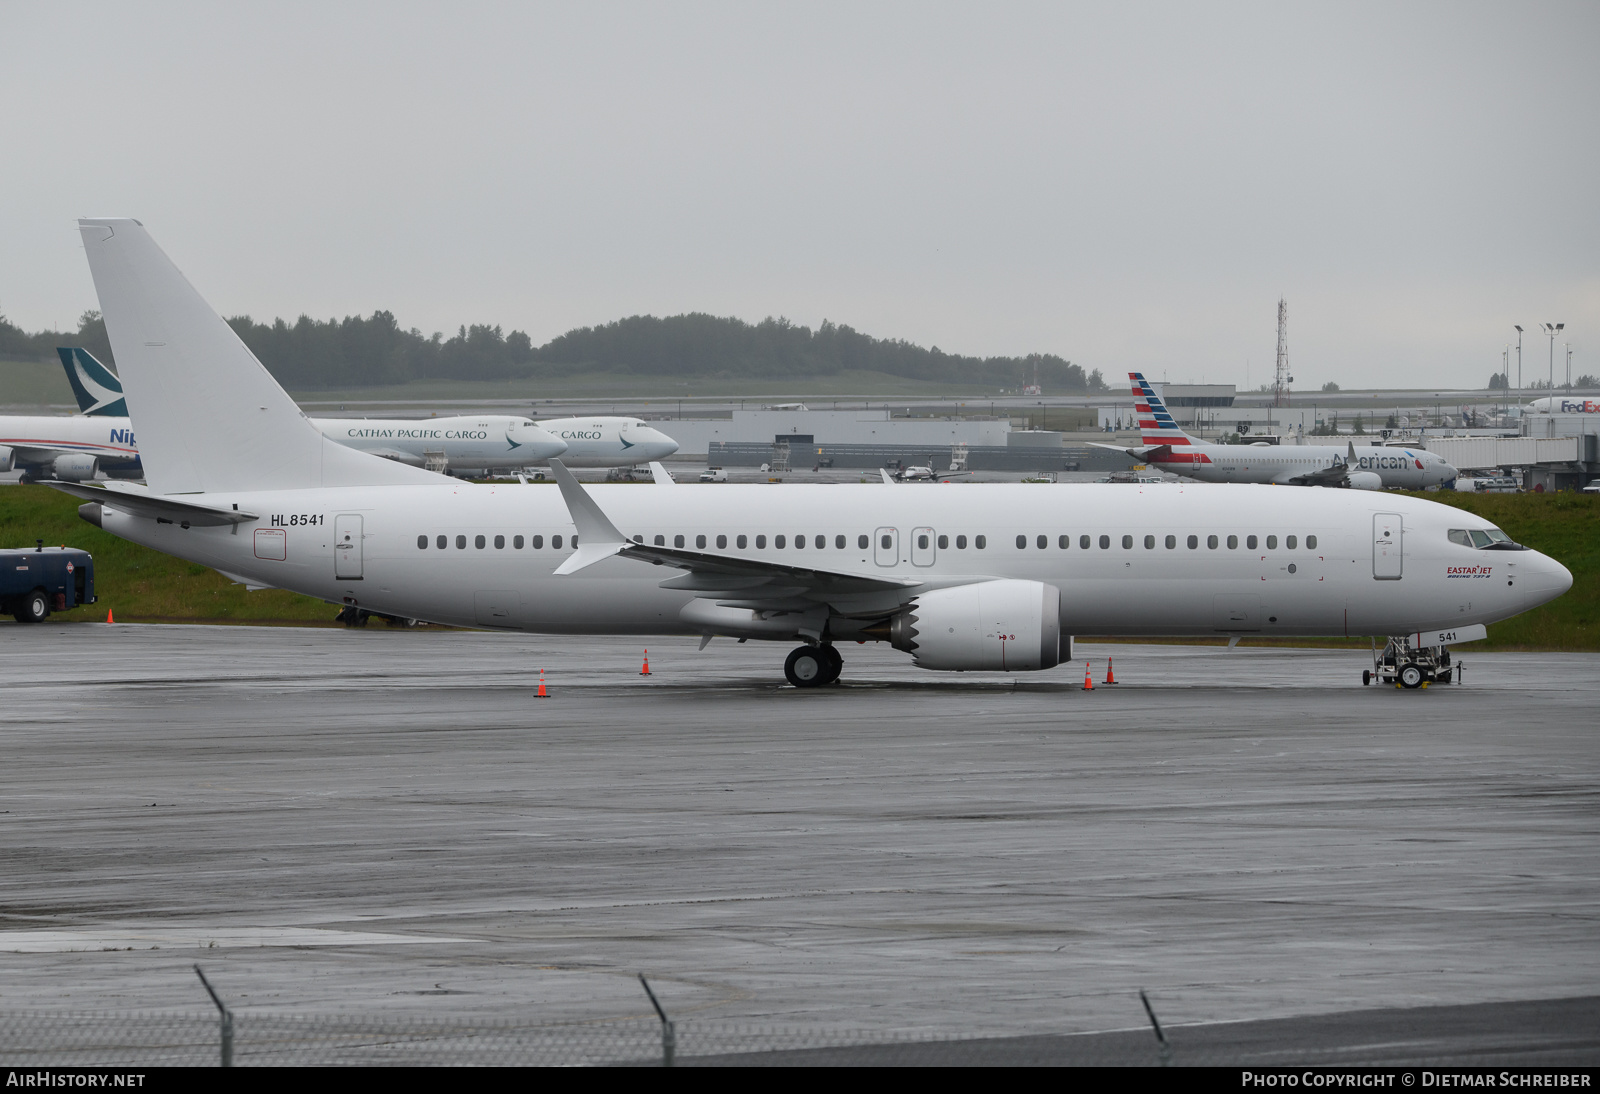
{"x": 292, "y": 520}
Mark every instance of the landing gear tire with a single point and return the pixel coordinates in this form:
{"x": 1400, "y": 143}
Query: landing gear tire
{"x": 33, "y": 608}
{"x": 1366, "y": 677}
{"x": 807, "y": 667}
{"x": 835, "y": 663}
{"x": 1410, "y": 676}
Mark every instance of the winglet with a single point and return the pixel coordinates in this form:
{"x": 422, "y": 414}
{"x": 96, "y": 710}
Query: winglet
{"x": 598, "y": 538}
{"x": 1352, "y": 452}
{"x": 887, "y": 480}
{"x": 661, "y": 475}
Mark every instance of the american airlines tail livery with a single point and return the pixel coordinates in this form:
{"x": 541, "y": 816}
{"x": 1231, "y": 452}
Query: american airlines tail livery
{"x": 976, "y": 577}
{"x": 1364, "y": 468}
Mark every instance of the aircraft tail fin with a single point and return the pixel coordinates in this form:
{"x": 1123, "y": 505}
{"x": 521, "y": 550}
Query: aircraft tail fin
{"x": 1156, "y": 425}
{"x": 97, "y": 388}
{"x": 210, "y": 416}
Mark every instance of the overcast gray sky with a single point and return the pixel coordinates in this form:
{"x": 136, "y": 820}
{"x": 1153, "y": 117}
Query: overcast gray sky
{"x": 1127, "y": 185}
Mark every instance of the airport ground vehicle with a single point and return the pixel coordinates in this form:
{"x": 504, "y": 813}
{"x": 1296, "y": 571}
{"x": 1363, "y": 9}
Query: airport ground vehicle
{"x": 35, "y": 582}
{"x": 715, "y": 474}
{"x": 1419, "y": 659}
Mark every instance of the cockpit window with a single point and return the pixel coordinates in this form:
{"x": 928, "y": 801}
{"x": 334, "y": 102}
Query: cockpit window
{"x": 1491, "y": 539}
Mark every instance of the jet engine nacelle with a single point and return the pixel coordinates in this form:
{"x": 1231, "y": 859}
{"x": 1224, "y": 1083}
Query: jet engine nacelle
{"x": 1365, "y": 480}
{"x": 73, "y": 468}
{"x": 5, "y": 458}
{"x": 1006, "y": 625}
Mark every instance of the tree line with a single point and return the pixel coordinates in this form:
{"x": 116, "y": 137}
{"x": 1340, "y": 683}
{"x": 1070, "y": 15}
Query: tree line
{"x": 353, "y": 352}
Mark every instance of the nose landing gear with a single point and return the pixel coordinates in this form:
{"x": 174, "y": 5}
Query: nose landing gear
{"x": 813, "y": 666}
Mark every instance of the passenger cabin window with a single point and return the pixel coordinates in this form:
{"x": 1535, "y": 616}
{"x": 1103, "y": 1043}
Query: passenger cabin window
{"x": 661, "y": 541}
{"x": 1022, "y": 542}
{"x": 1272, "y": 543}
{"x": 820, "y": 542}
{"x": 537, "y": 543}
{"x": 1105, "y": 543}
{"x": 722, "y": 542}
{"x": 742, "y": 542}
{"x": 961, "y": 543}
{"x": 1233, "y": 543}
{"x": 516, "y": 542}
{"x": 442, "y": 542}
{"x": 799, "y": 543}
{"x": 761, "y": 543}
{"x": 838, "y": 543}
{"x": 1251, "y": 542}
{"x": 1043, "y": 542}
{"x": 478, "y": 542}
{"x": 461, "y": 543}
{"x": 1211, "y": 542}
{"x": 422, "y": 543}
{"x": 1290, "y": 541}
{"x": 861, "y": 543}
{"x": 499, "y": 543}
{"x": 1172, "y": 542}
{"x": 1311, "y": 543}
{"x": 922, "y": 542}
{"x": 980, "y": 542}
{"x": 885, "y": 542}
{"x": 677, "y": 541}
{"x": 1150, "y": 543}
{"x": 779, "y": 542}
{"x": 1193, "y": 542}
{"x": 1065, "y": 542}
{"x": 700, "y": 542}
{"x": 944, "y": 542}
{"x": 1083, "y": 543}
{"x": 1127, "y": 543}
{"x": 555, "y": 543}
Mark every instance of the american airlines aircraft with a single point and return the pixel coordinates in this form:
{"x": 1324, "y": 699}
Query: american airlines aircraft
{"x": 463, "y": 444}
{"x": 981, "y": 577}
{"x": 1364, "y": 468}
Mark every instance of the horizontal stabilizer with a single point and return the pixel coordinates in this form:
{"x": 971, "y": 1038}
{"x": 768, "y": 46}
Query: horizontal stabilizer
{"x": 154, "y": 506}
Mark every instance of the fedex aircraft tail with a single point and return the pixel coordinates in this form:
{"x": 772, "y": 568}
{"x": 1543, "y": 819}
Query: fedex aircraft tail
{"x": 98, "y": 390}
{"x": 1155, "y": 423}
{"x": 210, "y": 416}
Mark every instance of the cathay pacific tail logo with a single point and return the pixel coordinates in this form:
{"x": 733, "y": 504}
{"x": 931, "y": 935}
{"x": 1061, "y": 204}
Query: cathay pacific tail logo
{"x": 98, "y": 391}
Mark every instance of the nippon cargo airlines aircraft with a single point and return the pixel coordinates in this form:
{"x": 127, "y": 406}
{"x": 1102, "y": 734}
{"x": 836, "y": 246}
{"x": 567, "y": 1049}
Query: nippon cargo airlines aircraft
{"x": 464, "y": 444}
{"x": 1364, "y": 468}
{"x": 980, "y": 577}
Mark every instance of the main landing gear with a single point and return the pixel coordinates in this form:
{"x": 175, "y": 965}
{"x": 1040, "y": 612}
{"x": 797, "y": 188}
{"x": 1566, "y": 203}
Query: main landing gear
{"x": 813, "y": 666}
{"x": 1410, "y": 667}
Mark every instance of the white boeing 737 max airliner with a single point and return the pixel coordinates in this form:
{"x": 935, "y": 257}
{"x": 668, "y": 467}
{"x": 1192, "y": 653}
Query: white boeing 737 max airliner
{"x": 993, "y": 576}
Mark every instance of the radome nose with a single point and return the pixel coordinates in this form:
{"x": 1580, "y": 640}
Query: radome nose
{"x": 661, "y": 445}
{"x": 1544, "y": 580}
{"x": 541, "y": 444}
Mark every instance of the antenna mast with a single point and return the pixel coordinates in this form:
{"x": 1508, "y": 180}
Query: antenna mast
{"x": 1282, "y": 379}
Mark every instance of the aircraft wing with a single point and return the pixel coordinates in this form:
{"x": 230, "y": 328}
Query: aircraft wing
{"x": 1143, "y": 453}
{"x": 155, "y": 506}
{"x": 1337, "y": 475}
{"x": 730, "y": 581}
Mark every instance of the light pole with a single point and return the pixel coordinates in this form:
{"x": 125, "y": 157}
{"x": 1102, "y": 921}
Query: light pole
{"x": 1552, "y": 329}
{"x": 1569, "y": 366}
{"x": 1519, "y": 365}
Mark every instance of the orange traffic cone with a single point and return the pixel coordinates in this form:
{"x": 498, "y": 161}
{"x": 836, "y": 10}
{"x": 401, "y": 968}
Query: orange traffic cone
{"x": 646, "y": 670}
{"x": 1110, "y": 676}
{"x": 542, "y": 693}
{"x": 1088, "y": 681}
{"x": 108, "y": 616}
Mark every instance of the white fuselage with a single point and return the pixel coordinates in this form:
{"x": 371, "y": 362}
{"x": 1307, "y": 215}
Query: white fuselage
{"x": 1126, "y": 581}
{"x": 1403, "y": 468}
{"x": 472, "y": 442}
{"x": 38, "y": 440}
{"x": 609, "y": 442}
{"x": 468, "y": 442}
